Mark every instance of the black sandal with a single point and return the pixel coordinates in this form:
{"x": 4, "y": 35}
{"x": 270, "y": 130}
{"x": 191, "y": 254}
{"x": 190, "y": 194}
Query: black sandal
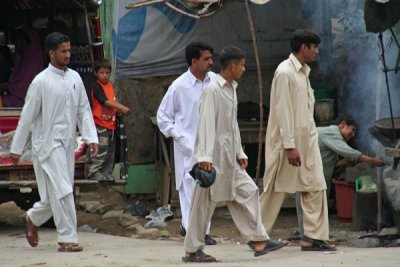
{"x": 317, "y": 245}
{"x": 198, "y": 256}
{"x": 271, "y": 245}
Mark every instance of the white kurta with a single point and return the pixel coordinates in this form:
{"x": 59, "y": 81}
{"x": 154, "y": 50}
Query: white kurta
{"x": 218, "y": 139}
{"x": 291, "y": 125}
{"x": 56, "y": 103}
{"x": 178, "y": 117}
{"x": 218, "y": 142}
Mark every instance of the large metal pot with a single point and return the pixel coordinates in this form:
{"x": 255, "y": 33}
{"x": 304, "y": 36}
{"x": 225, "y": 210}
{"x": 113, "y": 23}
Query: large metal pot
{"x": 385, "y": 127}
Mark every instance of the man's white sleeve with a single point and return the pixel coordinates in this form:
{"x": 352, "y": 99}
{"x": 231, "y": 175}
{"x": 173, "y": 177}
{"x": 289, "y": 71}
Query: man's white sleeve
{"x": 166, "y": 115}
{"x": 30, "y": 111}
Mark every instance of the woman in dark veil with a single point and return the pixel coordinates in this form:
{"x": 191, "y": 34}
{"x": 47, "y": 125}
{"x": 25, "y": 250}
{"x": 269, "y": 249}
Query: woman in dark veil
{"x": 29, "y": 61}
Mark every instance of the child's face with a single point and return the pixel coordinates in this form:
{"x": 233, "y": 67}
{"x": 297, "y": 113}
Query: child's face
{"x": 103, "y": 74}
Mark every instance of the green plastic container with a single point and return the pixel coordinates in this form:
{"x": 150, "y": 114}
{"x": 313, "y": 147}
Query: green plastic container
{"x": 365, "y": 184}
{"x": 142, "y": 179}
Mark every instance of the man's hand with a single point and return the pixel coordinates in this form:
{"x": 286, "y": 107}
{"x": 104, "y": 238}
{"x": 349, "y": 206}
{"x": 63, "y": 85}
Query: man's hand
{"x": 205, "y": 166}
{"x": 15, "y": 158}
{"x": 243, "y": 163}
{"x": 371, "y": 160}
{"x": 377, "y": 162}
{"x": 293, "y": 157}
{"x": 94, "y": 148}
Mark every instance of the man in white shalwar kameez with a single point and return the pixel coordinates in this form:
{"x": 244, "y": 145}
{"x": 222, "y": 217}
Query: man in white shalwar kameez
{"x": 56, "y": 103}
{"x": 218, "y": 145}
{"x": 292, "y": 156}
{"x": 178, "y": 117}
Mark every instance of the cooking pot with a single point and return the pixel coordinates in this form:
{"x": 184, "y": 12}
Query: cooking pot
{"x": 385, "y": 127}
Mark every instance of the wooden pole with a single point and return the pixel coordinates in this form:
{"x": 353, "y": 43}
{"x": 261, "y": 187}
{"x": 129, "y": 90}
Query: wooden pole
{"x": 379, "y": 174}
{"x": 260, "y": 87}
{"x": 378, "y": 147}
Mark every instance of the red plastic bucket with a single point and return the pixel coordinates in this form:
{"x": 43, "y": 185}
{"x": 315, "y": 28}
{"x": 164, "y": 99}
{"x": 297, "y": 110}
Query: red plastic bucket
{"x": 344, "y": 199}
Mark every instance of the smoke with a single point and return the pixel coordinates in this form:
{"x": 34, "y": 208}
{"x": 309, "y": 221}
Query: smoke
{"x": 366, "y": 92}
{"x": 357, "y": 71}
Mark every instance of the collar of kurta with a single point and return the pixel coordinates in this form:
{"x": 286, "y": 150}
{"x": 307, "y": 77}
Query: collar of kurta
{"x": 222, "y": 82}
{"x": 57, "y": 70}
{"x": 298, "y": 66}
{"x": 193, "y": 79}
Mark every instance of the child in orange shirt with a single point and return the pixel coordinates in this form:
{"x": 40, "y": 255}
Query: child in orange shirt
{"x": 104, "y": 110}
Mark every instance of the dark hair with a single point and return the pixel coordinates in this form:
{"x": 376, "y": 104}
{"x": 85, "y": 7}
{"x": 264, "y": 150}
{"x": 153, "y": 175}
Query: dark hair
{"x": 102, "y": 63}
{"x": 230, "y": 54}
{"x": 348, "y": 119}
{"x": 193, "y": 50}
{"x": 54, "y": 39}
{"x": 302, "y": 36}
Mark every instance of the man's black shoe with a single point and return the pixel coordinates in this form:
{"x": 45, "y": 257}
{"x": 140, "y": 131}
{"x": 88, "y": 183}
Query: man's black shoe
{"x": 209, "y": 240}
{"x": 182, "y": 230}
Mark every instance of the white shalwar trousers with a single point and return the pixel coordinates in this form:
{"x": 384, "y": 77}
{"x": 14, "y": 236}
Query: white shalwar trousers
{"x": 56, "y": 201}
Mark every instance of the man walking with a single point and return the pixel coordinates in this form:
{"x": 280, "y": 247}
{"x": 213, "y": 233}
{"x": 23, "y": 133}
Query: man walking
{"x": 218, "y": 145}
{"x": 292, "y": 157}
{"x": 56, "y": 103}
{"x": 178, "y": 117}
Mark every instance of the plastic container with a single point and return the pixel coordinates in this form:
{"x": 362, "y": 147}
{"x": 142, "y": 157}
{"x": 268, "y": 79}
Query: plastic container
{"x": 365, "y": 184}
{"x": 344, "y": 199}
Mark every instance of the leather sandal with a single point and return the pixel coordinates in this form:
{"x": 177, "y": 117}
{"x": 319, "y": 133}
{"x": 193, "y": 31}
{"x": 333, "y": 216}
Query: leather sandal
{"x": 69, "y": 247}
{"x": 316, "y": 245}
{"x": 198, "y": 256}
{"x": 270, "y": 245}
{"x": 31, "y": 232}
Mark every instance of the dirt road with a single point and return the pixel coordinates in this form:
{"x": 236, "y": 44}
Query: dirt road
{"x": 109, "y": 250}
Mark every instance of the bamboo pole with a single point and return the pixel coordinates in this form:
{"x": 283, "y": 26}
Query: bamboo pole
{"x": 260, "y": 87}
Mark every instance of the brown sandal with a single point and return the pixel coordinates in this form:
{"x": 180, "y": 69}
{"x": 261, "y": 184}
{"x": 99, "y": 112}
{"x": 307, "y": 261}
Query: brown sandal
{"x": 69, "y": 247}
{"x": 31, "y": 232}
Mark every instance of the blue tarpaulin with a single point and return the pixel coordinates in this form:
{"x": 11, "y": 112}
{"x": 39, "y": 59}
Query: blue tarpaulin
{"x": 149, "y": 41}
